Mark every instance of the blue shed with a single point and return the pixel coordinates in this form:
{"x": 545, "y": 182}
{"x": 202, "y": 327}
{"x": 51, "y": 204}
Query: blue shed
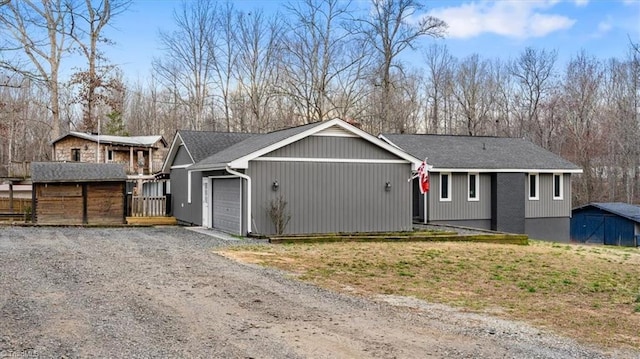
{"x": 606, "y": 223}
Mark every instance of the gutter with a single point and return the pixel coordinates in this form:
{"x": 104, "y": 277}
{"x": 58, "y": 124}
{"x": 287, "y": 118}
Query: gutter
{"x": 242, "y": 175}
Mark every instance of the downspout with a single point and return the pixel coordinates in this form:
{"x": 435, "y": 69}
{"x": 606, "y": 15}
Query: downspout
{"x": 242, "y": 175}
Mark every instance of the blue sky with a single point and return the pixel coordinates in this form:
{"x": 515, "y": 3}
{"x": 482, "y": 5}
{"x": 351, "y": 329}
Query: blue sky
{"x": 492, "y": 29}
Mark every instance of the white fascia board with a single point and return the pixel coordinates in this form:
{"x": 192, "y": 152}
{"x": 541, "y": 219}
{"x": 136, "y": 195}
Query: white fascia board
{"x": 173, "y": 151}
{"x": 243, "y": 162}
{"x": 505, "y": 170}
{"x": 329, "y": 160}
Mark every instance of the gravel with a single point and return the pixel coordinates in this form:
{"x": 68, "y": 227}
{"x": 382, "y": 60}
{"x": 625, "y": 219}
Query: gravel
{"x": 163, "y": 292}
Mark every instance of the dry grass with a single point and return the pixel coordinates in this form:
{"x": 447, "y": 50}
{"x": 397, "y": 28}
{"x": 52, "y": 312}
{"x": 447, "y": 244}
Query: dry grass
{"x": 591, "y": 293}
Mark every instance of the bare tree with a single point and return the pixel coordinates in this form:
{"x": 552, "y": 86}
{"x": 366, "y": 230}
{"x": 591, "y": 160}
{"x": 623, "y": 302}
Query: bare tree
{"x": 533, "y": 73}
{"x": 474, "y": 93}
{"x": 315, "y": 54}
{"x": 39, "y": 31}
{"x": 258, "y": 41}
{"x": 188, "y": 62}
{"x": 88, "y": 21}
{"x": 390, "y": 31}
{"x": 224, "y": 52}
{"x": 439, "y": 64}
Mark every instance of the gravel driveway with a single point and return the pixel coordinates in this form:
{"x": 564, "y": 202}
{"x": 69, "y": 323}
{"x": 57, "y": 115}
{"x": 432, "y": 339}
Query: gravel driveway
{"x": 162, "y": 292}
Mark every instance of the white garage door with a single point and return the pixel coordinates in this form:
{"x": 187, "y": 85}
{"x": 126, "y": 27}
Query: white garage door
{"x": 227, "y": 201}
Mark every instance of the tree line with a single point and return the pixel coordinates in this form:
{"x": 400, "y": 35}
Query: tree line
{"x": 223, "y": 69}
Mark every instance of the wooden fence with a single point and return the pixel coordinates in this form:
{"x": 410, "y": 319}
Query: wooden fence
{"x": 148, "y": 206}
{"x": 20, "y": 205}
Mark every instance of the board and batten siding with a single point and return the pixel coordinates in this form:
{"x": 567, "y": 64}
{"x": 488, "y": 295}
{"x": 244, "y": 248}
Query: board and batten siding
{"x": 332, "y": 147}
{"x": 182, "y": 157}
{"x": 459, "y": 208}
{"x": 185, "y": 212}
{"x": 545, "y": 205}
{"x": 332, "y": 197}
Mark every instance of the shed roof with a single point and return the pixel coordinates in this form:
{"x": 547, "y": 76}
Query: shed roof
{"x": 495, "y": 154}
{"x": 52, "y": 172}
{"x": 138, "y": 141}
{"x": 626, "y": 210}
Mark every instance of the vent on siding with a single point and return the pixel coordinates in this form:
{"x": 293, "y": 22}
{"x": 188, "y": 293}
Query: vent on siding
{"x": 335, "y": 131}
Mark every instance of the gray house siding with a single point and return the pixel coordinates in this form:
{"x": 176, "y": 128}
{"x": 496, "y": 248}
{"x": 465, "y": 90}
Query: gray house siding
{"x": 552, "y": 229}
{"x": 332, "y": 197}
{"x": 185, "y": 212}
{"x": 182, "y": 157}
{"x": 545, "y": 205}
{"x": 508, "y": 202}
{"x": 459, "y": 208}
{"x": 332, "y": 147}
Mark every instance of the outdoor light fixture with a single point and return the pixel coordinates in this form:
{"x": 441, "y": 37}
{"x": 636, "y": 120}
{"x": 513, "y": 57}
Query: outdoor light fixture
{"x": 275, "y": 185}
{"x": 387, "y": 186}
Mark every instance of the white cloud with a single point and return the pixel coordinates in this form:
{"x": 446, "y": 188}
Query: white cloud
{"x": 581, "y": 3}
{"x": 516, "y": 19}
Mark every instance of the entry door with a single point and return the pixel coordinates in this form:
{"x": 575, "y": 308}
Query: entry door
{"x": 206, "y": 199}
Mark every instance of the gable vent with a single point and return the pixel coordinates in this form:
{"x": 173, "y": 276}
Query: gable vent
{"x": 335, "y": 131}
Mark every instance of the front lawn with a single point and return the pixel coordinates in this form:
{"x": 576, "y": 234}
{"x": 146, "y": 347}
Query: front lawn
{"x": 591, "y": 293}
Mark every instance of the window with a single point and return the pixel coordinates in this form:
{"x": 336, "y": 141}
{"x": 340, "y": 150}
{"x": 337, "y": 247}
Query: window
{"x": 557, "y": 186}
{"x": 533, "y": 186}
{"x": 75, "y": 154}
{"x": 473, "y": 185}
{"x": 445, "y": 187}
{"x": 109, "y": 155}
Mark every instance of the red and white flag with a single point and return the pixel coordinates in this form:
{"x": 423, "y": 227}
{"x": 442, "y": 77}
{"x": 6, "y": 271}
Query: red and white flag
{"x": 423, "y": 177}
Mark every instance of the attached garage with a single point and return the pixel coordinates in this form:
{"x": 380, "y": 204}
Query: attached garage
{"x": 325, "y": 177}
{"x": 606, "y": 223}
{"x": 78, "y": 193}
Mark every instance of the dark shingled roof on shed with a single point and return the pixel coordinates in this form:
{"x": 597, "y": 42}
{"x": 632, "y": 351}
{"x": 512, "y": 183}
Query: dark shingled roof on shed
{"x": 480, "y": 152}
{"x": 52, "y": 172}
{"x": 204, "y": 143}
{"x": 630, "y": 211}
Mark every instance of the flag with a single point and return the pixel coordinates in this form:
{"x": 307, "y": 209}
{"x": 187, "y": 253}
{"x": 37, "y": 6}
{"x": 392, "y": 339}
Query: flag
{"x": 423, "y": 177}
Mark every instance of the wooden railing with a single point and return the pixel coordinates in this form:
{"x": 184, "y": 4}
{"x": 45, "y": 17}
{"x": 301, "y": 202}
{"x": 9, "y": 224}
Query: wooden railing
{"x": 20, "y": 205}
{"x": 144, "y": 206}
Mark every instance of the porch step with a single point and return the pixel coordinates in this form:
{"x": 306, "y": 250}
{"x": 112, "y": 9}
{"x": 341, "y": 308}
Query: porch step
{"x": 152, "y": 221}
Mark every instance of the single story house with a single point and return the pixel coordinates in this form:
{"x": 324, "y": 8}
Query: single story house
{"x": 496, "y": 183}
{"x": 606, "y": 223}
{"x": 317, "y": 178}
{"x": 78, "y": 193}
{"x": 138, "y": 155}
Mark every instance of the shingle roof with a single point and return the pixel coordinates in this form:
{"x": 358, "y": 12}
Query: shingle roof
{"x": 201, "y": 144}
{"x": 139, "y": 141}
{"x": 49, "y": 172}
{"x": 250, "y": 145}
{"x": 630, "y": 211}
{"x": 477, "y": 152}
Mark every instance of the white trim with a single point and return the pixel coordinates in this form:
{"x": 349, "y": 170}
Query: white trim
{"x": 173, "y": 151}
{"x": 246, "y": 177}
{"x": 243, "y": 162}
{"x": 448, "y": 198}
{"x": 477, "y": 184}
{"x": 537, "y": 187}
{"x": 188, "y": 186}
{"x": 207, "y": 218}
{"x": 506, "y": 170}
{"x": 335, "y": 160}
{"x": 181, "y": 166}
{"x": 553, "y": 186}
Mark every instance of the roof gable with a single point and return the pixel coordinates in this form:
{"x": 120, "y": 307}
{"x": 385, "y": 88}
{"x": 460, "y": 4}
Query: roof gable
{"x": 51, "y": 172}
{"x": 201, "y": 144}
{"x": 478, "y": 153}
{"x": 239, "y": 155}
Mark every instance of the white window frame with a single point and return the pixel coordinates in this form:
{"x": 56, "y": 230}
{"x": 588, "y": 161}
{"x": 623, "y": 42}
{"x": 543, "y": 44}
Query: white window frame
{"x": 561, "y": 184}
{"x": 537, "y": 187}
{"x": 448, "y": 198}
{"x": 477, "y": 185}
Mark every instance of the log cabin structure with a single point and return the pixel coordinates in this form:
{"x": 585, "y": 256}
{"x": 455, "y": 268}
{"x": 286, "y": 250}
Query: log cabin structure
{"x": 73, "y": 193}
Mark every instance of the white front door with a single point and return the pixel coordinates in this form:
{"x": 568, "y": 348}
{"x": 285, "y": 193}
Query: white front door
{"x": 206, "y": 199}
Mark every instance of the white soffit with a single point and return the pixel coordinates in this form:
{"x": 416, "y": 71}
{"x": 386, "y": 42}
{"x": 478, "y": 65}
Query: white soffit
{"x": 335, "y": 131}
